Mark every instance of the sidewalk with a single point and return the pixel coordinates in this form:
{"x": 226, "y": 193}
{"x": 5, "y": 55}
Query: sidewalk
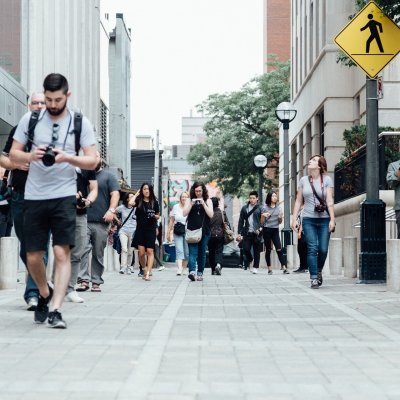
{"x": 232, "y": 337}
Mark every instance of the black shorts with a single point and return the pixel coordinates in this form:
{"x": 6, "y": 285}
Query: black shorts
{"x": 145, "y": 238}
{"x": 41, "y": 217}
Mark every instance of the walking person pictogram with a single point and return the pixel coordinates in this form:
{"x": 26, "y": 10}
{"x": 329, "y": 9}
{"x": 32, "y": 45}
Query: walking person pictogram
{"x": 373, "y": 27}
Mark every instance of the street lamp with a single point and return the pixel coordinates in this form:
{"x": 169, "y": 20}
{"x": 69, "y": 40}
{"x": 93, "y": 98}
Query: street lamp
{"x": 286, "y": 114}
{"x": 260, "y": 162}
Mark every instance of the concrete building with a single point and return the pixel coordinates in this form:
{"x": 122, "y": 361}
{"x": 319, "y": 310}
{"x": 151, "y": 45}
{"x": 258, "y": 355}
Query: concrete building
{"x": 276, "y": 30}
{"x": 328, "y": 96}
{"x": 144, "y": 142}
{"x": 192, "y": 129}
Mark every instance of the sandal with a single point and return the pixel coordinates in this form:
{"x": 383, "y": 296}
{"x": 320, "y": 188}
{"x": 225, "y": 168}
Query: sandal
{"x": 95, "y": 288}
{"x": 83, "y": 286}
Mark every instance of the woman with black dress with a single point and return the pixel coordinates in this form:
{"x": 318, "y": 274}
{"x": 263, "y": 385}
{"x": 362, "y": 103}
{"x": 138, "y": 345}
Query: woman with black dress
{"x": 147, "y": 214}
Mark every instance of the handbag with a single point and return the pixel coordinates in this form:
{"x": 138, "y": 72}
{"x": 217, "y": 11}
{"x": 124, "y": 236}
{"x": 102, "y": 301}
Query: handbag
{"x": 194, "y": 236}
{"x": 116, "y": 240}
{"x": 179, "y": 229}
{"x": 228, "y": 234}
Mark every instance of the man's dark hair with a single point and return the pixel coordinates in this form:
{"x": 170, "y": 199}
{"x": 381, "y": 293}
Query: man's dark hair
{"x": 54, "y": 82}
{"x": 253, "y": 193}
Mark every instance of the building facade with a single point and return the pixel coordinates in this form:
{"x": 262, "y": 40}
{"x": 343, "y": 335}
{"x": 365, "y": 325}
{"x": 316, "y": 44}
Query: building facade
{"x": 192, "y": 129}
{"x": 328, "y": 96}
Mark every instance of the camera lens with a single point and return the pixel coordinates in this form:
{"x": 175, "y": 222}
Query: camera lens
{"x": 48, "y": 157}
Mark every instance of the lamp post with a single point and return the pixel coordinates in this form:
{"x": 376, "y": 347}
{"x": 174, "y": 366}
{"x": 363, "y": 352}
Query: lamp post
{"x": 286, "y": 114}
{"x": 260, "y": 161}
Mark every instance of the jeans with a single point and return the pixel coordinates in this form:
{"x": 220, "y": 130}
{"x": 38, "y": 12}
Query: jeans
{"x": 126, "y": 249}
{"x": 272, "y": 234}
{"x": 316, "y": 232}
{"x": 215, "y": 250}
{"x": 181, "y": 247}
{"x": 251, "y": 242}
{"x": 197, "y": 252}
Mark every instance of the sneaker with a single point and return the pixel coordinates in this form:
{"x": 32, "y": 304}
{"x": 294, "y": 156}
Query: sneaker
{"x": 319, "y": 278}
{"x": 161, "y": 267}
{"x": 122, "y": 271}
{"x": 285, "y": 271}
{"x": 254, "y": 271}
{"x": 42, "y": 308}
{"x": 141, "y": 274}
{"x": 55, "y": 320}
{"x": 32, "y": 303}
{"x": 314, "y": 284}
{"x": 270, "y": 272}
{"x": 192, "y": 276}
{"x": 299, "y": 270}
{"x": 129, "y": 271}
{"x": 179, "y": 271}
{"x": 74, "y": 297}
{"x": 199, "y": 277}
{"x": 218, "y": 269}
{"x": 213, "y": 273}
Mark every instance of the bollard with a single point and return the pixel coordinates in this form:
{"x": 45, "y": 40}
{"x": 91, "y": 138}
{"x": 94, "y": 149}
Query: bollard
{"x": 350, "y": 263}
{"x": 393, "y": 265}
{"x": 8, "y": 262}
{"x": 335, "y": 256}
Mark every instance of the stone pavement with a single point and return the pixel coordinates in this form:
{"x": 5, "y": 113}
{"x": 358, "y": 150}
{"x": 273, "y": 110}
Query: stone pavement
{"x": 238, "y": 337}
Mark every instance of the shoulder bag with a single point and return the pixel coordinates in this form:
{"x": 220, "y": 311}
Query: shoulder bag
{"x": 194, "y": 236}
{"x": 228, "y": 234}
{"x": 116, "y": 241}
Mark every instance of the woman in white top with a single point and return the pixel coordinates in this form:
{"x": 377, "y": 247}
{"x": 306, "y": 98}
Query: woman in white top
{"x": 126, "y": 232}
{"x": 176, "y": 230}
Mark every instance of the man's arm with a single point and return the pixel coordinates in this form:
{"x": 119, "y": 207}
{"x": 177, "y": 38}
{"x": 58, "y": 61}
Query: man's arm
{"x": 114, "y": 198}
{"x": 87, "y": 161}
{"x": 93, "y": 191}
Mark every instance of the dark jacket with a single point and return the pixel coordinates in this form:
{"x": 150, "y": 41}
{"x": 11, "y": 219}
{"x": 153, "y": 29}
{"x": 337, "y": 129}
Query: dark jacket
{"x": 243, "y": 225}
{"x": 217, "y": 224}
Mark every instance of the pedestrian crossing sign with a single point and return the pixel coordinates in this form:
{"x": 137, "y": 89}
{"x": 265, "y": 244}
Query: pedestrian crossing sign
{"x": 371, "y": 39}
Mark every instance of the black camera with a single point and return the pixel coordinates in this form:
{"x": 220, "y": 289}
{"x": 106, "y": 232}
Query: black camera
{"x": 319, "y": 208}
{"x": 80, "y": 202}
{"x": 49, "y": 158}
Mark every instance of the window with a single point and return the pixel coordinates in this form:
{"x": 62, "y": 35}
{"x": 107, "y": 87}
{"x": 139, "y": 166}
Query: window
{"x": 103, "y": 131}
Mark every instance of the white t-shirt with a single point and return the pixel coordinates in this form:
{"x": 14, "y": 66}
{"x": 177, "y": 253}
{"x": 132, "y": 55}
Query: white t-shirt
{"x": 59, "y": 180}
{"x": 177, "y": 213}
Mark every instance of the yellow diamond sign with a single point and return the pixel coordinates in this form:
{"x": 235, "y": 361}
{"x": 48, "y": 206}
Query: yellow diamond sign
{"x": 371, "y": 39}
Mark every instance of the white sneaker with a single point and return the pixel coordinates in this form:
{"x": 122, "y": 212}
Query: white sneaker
{"x": 74, "y": 297}
{"x": 254, "y": 271}
{"x": 129, "y": 271}
{"x": 179, "y": 271}
{"x": 161, "y": 267}
{"x": 122, "y": 271}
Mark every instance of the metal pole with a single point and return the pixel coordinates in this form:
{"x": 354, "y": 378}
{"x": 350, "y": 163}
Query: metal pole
{"x": 286, "y": 232}
{"x": 260, "y": 185}
{"x": 157, "y": 166}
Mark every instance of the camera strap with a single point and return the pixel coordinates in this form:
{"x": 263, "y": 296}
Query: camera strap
{"x": 321, "y": 201}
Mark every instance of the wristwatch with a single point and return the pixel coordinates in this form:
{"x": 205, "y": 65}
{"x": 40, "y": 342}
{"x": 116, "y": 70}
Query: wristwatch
{"x": 112, "y": 210}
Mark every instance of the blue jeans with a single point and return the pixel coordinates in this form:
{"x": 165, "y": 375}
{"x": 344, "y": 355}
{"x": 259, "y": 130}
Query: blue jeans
{"x": 17, "y": 213}
{"x": 316, "y": 232}
{"x": 197, "y": 252}
{"x": 181, "y": 247}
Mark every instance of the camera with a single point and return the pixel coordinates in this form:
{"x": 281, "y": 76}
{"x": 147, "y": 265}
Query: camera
{"x": 319, "y": 208}
{"x": 49, "y": 157}
{"x": 80, "y": 202}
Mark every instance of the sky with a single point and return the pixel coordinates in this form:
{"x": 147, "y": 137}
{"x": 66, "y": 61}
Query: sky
{"x": 183, "y": 51}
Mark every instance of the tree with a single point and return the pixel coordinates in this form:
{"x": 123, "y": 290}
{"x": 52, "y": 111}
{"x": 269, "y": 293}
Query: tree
{"x": 242, "y": 125}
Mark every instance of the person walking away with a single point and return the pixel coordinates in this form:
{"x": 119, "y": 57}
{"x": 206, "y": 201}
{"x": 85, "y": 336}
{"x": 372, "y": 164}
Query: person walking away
{"x": 271, "y": 217}
{"x": 316, "y": 192}
{"x": 393, "y": 180}
{"x": 126, "y": 232}
{"x": 147, "y": 215}
{"x": 19, "y": 174}
{"x": 249, "y": 229}
{"x": 199, "y": 210}
{"x": 86, "y": 195}
{"x": 176, "y": 233}
{"x": 301, "y": 245}
{"x": 50, "y": 191}
{"x": 99, "y": 217}
{"x": 216, "y": 242}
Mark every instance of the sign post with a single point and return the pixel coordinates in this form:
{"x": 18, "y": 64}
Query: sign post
{"x": 371, "y": 39}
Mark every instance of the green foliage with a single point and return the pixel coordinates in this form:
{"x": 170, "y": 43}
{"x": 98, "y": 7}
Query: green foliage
{"x": 242, "y": 124}
{"x": 390, "y": 7}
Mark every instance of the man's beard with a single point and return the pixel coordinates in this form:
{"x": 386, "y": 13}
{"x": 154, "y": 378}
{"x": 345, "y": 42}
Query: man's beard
{"x": 56, "y": 111}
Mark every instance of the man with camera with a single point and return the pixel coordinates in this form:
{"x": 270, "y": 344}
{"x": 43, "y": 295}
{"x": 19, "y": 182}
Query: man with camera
{"x": 17, "y": 181}
{"x": 250, "y": 230}
{"x": 393, "y": 180}
{"x": 99, "y": 217}
{"x": 50, "y": 191}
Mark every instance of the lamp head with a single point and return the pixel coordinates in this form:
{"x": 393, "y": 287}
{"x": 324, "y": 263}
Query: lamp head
{"x": 260, "y": 161}
{"x": 285, "y": 112}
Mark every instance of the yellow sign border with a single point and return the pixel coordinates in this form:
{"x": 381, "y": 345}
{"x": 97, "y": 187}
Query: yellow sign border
{"x": 349, "y": 23}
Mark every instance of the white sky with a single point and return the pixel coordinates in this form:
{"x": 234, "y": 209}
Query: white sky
{"x": 185, "y": 50}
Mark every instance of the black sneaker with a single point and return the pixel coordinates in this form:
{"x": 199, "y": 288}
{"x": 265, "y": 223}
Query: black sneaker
{"x": 299, "y": 270}
{"x": 192, "y": 276}
{"x": 319, "y": 278}
{"x": 140, "y": 274}
{"x": 55, "y": 320}
{"x": 314, "y": 284}
{"x": 42, "y": 308}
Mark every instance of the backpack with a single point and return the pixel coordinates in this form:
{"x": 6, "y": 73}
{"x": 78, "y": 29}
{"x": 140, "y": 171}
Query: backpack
{"x": 35, "y": 119}
{"x": 216, "y": 227}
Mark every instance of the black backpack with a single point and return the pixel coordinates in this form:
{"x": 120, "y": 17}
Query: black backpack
{"x": 35, "y": 119}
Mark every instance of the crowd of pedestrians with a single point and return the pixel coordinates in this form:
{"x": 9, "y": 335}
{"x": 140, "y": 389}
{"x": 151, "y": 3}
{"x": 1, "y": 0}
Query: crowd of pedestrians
{"x": 61, "y": 193}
